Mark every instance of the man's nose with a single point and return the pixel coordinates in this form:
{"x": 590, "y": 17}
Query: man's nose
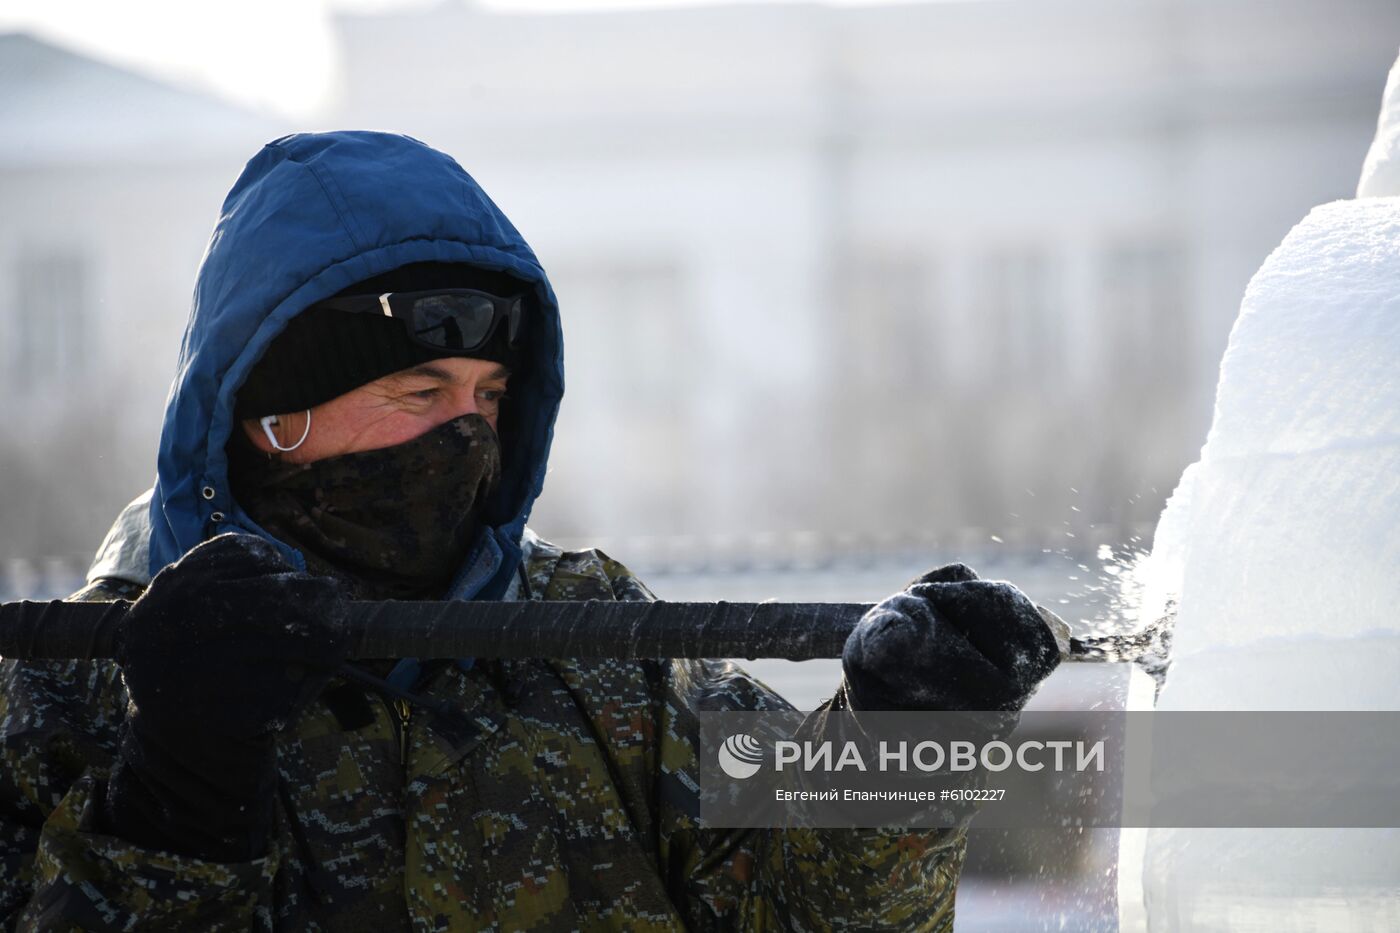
{"x": 465, "y": 402}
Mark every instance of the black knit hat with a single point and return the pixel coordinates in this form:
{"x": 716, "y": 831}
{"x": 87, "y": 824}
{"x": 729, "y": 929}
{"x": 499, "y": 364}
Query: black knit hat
{"x": 324, "y": 353}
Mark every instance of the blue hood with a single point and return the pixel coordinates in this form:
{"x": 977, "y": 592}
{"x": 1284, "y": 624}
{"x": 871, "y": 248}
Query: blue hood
{"x": 311, "y": 215}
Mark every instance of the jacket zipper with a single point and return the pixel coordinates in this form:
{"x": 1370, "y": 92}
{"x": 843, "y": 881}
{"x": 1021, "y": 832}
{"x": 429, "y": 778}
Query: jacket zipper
{"x": 405, "y": 713}
{"x": 400, "y": 707}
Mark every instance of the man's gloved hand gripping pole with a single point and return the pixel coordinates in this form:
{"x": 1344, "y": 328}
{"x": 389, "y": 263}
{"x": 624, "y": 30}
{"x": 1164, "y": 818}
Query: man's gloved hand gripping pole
{"x": 950, "y": 641}
{"x": 224, "y": 649}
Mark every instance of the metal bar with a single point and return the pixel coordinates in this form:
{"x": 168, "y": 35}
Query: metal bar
{"x": 592, "y": 629}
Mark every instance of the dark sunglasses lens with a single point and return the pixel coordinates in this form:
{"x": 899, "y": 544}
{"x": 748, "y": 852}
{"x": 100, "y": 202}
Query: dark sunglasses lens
{"x": 453, "y": 322}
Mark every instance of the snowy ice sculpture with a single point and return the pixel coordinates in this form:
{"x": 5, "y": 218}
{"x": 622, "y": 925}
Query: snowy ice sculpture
{"x": 1380, "y": 173}
{"x": 1283, "y": 546}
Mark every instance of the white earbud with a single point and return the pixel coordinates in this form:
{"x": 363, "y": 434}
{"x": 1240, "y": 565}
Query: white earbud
{"x": 267, "y": 421}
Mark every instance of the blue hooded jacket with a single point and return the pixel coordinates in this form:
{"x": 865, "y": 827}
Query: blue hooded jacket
{"x": 312, "y": 214}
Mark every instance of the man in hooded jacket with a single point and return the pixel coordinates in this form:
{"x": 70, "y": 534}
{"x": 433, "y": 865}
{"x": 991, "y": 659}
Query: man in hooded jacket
{"x": 230, "y": 771}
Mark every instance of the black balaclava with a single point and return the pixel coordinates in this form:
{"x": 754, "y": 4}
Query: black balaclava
{"x": 393, "y": 523}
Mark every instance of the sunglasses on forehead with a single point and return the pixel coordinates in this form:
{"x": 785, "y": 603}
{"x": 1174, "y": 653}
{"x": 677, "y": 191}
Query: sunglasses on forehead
{"x": 459, "y": 319}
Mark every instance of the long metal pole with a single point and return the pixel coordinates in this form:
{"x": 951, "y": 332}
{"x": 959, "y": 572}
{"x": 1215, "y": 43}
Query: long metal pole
{"x": 592, "y": 629}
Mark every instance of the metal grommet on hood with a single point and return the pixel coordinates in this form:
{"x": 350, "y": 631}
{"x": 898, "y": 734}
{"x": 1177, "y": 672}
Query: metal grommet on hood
{"x": 216, "y": 517}
{"x": 207, "y": 492}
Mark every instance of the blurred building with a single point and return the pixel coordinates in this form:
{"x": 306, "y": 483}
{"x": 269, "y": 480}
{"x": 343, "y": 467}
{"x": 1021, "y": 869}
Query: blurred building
{"x": 832, "y": 278}
{"x": 887, "y": 270}
{"x": 109, "y": 185}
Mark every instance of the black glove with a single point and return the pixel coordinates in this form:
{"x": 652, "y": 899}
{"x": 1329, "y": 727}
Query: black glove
{"x": 225, "y": 648}
{"x": 949, "y": 641}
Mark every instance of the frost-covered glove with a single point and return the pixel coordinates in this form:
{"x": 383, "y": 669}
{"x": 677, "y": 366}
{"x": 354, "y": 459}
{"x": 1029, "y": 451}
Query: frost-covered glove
{"x": 225, "y": 648}
{"x": 949, "y": 641}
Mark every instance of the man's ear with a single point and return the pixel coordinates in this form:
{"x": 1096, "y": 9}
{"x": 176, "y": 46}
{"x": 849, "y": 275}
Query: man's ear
{"x": 253, "y": 430}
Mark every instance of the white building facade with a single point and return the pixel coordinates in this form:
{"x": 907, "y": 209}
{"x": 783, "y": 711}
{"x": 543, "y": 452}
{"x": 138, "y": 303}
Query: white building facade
{"x": 832, "y": 277}
{"x": 109, "y": 185}
{"x": 887, "y": 271}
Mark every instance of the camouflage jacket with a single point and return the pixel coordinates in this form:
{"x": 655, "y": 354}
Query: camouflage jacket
{"x": 562, "y": 798}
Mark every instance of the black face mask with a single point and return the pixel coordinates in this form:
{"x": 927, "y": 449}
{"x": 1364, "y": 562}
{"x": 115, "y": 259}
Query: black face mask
{"x": 394, "y": 523}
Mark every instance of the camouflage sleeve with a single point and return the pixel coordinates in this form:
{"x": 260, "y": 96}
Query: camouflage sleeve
{"x": 804, "y": 879}
{"x": 58, "y": 733}
{"x": 85, "y": 879}
{"x": 54, "y": 727}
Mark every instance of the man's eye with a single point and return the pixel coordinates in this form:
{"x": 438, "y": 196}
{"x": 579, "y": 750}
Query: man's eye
{"x": 424, "y": 394}
{"x": 492, "y": 395}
